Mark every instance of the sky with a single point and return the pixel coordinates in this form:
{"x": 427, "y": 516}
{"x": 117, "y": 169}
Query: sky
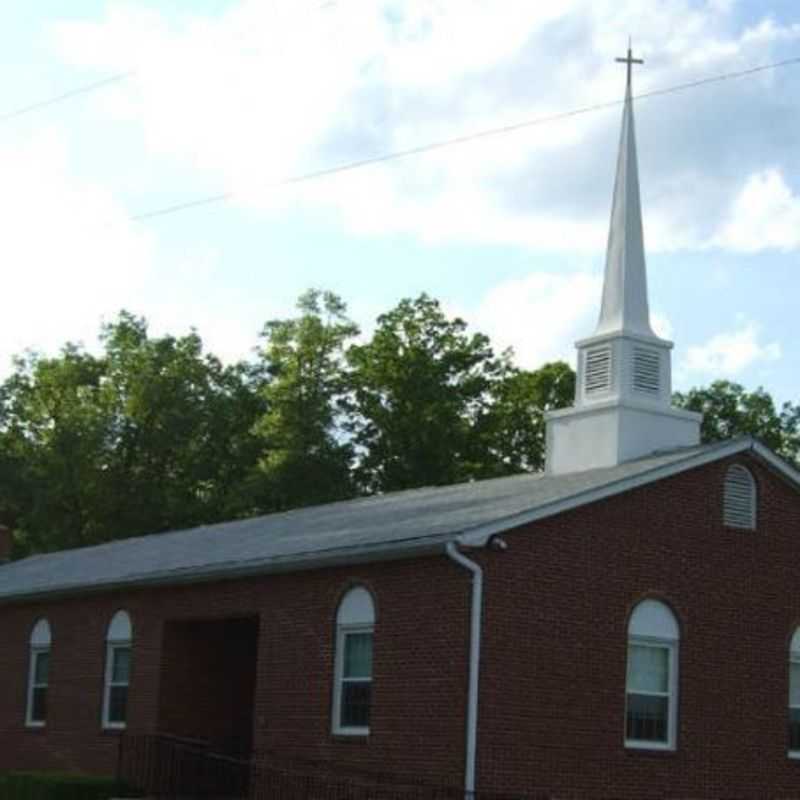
{"x": 509, "y": 231}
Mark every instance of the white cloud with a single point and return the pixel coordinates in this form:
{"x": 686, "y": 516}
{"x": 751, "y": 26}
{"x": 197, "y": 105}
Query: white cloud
{"x": 295, "y": 86}
{"x": 67, "y": 250}
{"x": 540, "y": 315}
{"x": 764, "y": 214}
{"x": 662, "y": 325}
{"x": 72, "y": 259}
{"x": 729, "y": 353}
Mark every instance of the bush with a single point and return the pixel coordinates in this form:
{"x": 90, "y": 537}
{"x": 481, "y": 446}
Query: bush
{"x": 59, "y": 786}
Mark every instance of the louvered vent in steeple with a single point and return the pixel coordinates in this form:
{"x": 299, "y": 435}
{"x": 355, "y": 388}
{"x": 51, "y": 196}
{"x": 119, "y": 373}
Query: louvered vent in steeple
{"x": 597, "y": 378}
{"x": 646, "y": 371}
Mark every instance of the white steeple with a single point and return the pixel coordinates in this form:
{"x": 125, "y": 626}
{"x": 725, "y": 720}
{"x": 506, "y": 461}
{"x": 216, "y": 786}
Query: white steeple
{"x": 624, "y": 384}
{"x": 625, "y": 289}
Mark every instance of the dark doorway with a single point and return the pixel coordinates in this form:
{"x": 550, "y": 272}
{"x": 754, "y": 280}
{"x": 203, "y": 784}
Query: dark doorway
{"x": 208, "y": 676}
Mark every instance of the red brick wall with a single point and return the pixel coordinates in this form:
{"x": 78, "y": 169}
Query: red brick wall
{"x": 419, "y": 668}
{"x": 553, "y": 672}
{"x": 557, "y": 608}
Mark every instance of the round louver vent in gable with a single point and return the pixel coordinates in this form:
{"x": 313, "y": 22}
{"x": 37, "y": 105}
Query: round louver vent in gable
{"x": 739, "y": 506}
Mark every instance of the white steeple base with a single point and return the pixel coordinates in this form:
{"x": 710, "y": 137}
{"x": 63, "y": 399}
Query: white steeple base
{"x": 608, "y": 433}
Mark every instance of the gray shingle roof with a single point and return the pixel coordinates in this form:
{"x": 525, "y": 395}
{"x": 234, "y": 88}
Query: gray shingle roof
{"x": 381, "y": 527}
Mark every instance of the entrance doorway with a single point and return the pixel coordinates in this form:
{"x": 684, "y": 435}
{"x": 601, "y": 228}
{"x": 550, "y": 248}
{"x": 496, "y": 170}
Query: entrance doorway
{"x": 208, "y": 676}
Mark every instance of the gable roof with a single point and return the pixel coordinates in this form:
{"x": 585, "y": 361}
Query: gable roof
{"x": 382, "y": 527}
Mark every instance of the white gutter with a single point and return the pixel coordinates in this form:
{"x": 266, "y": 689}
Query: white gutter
{"x": 474, "y": 663}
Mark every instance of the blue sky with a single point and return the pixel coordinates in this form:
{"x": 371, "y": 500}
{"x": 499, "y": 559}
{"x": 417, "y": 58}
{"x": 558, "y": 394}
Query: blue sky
{"x": 508, "y": 232}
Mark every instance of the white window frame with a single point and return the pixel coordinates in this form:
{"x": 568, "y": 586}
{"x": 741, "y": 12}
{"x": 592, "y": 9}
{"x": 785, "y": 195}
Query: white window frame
{"x": 343, "y": 631}
{"x": 653, "y": 624}
{"x": 794, "y": 658}
{"x": 356, "y": 615}
{"x": 119, "y": 637}
{"x": 32, "y": 686}
{"x": 40, "y": 643}
{"x": 671, "y": 694}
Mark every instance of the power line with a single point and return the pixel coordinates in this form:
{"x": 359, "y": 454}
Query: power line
{"x": 94, "y": 86}
{"x": 89, "y": 87}
{"x": 459, "y": 140}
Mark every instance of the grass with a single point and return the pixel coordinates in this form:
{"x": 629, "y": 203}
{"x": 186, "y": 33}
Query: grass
{"x": 59, "y": 786}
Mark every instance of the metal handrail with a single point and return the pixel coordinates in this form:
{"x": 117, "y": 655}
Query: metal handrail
{"x": 171, "y": 767}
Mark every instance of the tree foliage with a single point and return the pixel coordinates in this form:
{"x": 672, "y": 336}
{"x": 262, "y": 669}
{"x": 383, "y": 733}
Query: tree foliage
{"x": 513, "y": 426}
{"x": 729, "y": 410}
{"x": 306, "y": 458}
{"x": 433, "y": 404}
{"x": 153, "y": 433}
{"x": 419, "y": 386}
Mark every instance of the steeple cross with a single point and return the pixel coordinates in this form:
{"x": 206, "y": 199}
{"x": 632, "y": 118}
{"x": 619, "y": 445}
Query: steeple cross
{"x": 630, "y": 61}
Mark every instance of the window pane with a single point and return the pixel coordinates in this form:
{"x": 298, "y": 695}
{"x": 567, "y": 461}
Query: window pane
{"x": 117, "y": 703}
{"x": 794, "y": 684}
{"x": 358, "y": 655}
{"x": 41, "y": 668}
{"x": 648, "y": 669}
{"x": 39, "y": 705}
{"x": 356, "y": 701}
{"x": 121, "y": 668}
{"x": 647, "y": 718}
{"x": 794, "y": 729}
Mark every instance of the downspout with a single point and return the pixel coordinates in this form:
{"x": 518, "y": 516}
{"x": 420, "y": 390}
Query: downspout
{"x": 474, "y": 663}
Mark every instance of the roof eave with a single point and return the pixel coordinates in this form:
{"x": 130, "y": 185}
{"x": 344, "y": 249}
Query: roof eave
{"x": 391, "y": 551}
{"x": 783, "y": 468}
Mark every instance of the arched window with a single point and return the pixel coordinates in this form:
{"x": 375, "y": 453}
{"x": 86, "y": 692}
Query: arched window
{"x": 739, "y": 505}
{"x": 119, "y": 640}
{"x": 352, "y": 698}
{"x": 38, "y": 674}
{"x": 651, "y": 691}
{"x": 794, "y": 695}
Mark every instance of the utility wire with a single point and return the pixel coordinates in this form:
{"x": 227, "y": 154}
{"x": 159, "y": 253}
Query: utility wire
{"x": 92, "y": 87}
{"x": 89, "y": 87}
{"x": 459, "y": 140}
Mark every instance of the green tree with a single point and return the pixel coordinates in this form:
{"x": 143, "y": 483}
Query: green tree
{"x": 306, "y": 456}
{"x": 418, "y": 388}
{"x": 512, "y": 428}
{"x": 181, "y": 431}
{"x": 53, "y": 438}
{"x": 151, "y": 435}
{"x": 729, "y": 410}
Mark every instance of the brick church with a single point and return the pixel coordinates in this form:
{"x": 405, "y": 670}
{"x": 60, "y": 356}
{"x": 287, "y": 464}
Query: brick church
{"x": 625, "y": 624}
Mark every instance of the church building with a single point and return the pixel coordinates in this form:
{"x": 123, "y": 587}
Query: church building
{"x": 625, "y": 624}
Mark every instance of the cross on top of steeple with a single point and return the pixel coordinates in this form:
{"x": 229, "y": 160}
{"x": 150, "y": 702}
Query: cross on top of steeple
{"x": 630, "y": 61}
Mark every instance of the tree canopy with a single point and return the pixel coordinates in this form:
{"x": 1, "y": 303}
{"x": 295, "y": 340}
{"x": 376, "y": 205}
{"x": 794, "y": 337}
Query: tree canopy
{"x": 305, "y": 456}
{"x": 729, "y": 410}
{"x": 150, "y": 435}
{"x": 419, "y": 386}
{"x": 153, "y": 433}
